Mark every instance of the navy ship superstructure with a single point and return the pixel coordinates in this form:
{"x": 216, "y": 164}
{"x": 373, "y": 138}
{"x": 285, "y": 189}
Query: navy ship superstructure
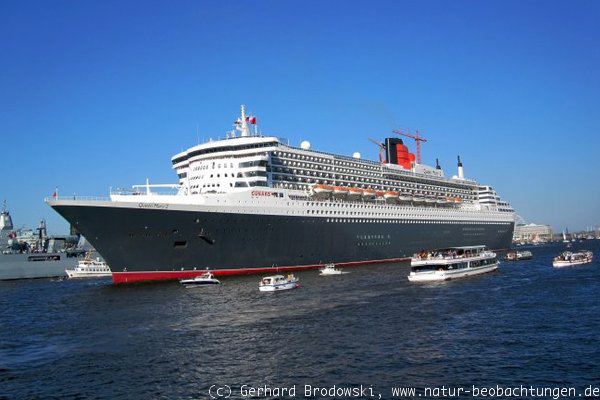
{"x": 252, "y": 203}
{"x": 26, "y": 254}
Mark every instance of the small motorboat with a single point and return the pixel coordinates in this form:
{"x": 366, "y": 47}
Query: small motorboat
{"x": 518, "y": 256}
{"x": 202, "y": 280}
{"x": 276, "y": 283}
{"x": 569, "y": 258}
{"x": 330, "y": 269}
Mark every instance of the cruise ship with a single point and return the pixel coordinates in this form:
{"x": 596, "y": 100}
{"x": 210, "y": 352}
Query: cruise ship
{"x": 253, "y": 203}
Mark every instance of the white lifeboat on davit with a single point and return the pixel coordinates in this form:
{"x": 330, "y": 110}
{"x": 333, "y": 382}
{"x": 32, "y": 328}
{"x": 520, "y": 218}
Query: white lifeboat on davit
{"x": 390, "y": 196}
{"x": 340, "y": 191}
{"x": 354, "y": 192}
{"x": 322, "y": 189}
{"x": 369, "y": 193}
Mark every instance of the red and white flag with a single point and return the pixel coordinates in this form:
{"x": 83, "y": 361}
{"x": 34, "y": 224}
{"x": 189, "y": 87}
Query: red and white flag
{"x": 55, "y": 193}
{"x": 251, "y": 119}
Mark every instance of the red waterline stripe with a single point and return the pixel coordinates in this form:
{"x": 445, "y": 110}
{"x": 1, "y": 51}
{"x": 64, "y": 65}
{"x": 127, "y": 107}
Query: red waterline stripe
{"x": 144, "y": 276}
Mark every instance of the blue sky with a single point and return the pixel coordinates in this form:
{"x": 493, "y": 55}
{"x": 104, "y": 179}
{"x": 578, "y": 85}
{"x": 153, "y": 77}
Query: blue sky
{"x": 101, "y": 94}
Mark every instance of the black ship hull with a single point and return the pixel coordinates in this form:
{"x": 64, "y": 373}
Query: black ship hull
{"x": 155, "y": 244}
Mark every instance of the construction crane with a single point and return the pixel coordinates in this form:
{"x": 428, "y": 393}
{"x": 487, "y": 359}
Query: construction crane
{"x": 381, "y": 149}
{"x": 418, "y": 139}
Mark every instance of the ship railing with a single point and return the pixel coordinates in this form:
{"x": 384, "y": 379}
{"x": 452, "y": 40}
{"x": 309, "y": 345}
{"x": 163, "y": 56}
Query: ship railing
{"x": 443, "y": 257}
{"x": 168, "y": 189}
{"x": 75, "y": 197}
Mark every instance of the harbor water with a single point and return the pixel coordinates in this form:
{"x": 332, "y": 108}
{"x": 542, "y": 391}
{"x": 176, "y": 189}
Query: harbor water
{"x": 525, "y": 324}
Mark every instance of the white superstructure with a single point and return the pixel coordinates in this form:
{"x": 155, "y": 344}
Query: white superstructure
{"x": 250, "y": 201}
{"x": 265, "y": 174}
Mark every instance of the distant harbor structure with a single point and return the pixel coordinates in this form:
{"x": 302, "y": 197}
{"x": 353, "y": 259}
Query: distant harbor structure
{"x": 28, "y": 253}
{"x": 532, "y": 233}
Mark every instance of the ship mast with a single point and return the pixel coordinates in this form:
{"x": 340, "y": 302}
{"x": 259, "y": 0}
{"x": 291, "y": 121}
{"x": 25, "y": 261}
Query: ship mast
{"x": 242, "y": 124}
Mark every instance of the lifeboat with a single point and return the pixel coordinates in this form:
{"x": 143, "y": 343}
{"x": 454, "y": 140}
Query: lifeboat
{"x": 440, "y": 200}
{"x": 322, "y": 189}
{"x": 457, "y": 200}
{"x": 418, "y": 199}
{"x": 340, "y": 191}
{"x": 449, "y": 200}
{"x": 429, "y": 200}
{"x": 369, "y": 193}
{"x": 354, "y": 192}
{"x": 390, "y": 196}
{"x": 405, "y": 197}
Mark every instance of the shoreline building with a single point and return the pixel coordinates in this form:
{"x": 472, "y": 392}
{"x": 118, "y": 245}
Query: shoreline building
{"x": 532, "y": 233}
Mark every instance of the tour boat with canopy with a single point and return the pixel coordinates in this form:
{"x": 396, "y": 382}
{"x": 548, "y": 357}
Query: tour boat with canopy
{"x": 568, "y": 258}
{"x": 451, "y": 263}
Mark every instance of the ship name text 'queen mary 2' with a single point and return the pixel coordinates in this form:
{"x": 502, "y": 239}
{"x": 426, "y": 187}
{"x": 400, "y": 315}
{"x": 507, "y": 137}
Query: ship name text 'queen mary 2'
{"x": 251, "y": 203}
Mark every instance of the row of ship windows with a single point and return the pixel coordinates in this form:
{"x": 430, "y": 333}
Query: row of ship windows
{"x": 358, "y": 204}
{"x": 217, "y": 159}
{"x": 432, "y": 212}
{"x": 232, "y": 175}
{"x": 359, "y": 172}
{"x": 263, "y": 163}
{"x": 304, "y": 186}
{"x": 202, "y": 167}
{"x": 365, "y": 237}
{"x": 327, "y": 212}
{"x": 325, "y": 160}
{"x": 214, "y": 165}
{"x": 285, "y": 178}
{"x": 221, "y": 149}
{"x": 231, "y": 184}
{"x": 318, "y": 168}
{"x": 349, "y": 181}
{"x": 334, "y": 168}
{"x": 400, "y": 221}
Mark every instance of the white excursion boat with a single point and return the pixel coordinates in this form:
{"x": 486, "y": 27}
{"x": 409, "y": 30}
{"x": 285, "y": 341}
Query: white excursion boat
{"x": 276, "y": 283}
{"x": 89, "y": 268}
{"x": 330, "y": 269}
{"x": 569, "y": 258}
{"x": 205, "y": 279}
{"x": 451, "y": 263}
{"x": 518, "y": 255}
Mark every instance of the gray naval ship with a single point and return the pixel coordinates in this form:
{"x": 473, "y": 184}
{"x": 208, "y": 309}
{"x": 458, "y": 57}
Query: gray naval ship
{"x": 33, "y": 254}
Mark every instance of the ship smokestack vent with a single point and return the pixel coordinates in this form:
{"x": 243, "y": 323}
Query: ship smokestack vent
{"x": 397, "y": 153}
{"x": 461, "y": 172}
